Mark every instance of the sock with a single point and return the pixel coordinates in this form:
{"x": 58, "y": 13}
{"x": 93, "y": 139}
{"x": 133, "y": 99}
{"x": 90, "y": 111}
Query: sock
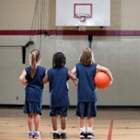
{"x": 63, "y": 131}
{"x": 89, "y": 129}
{"x": 82, "y": 129}
{"x": 55, "y": 131}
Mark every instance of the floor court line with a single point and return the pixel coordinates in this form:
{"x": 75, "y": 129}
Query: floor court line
{"x": 110, "y": 130}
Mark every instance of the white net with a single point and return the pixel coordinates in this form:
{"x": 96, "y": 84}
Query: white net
{"x": 82, "y": 21}
{"x": 82, "y": 26}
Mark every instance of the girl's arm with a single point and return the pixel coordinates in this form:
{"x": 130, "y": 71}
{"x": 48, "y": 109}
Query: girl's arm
{"x": 22, "y": 78}
{"x": 74, "y": 72}
{"x": 46, "y": 79}
{"x": 74, "y": 82}
{"x": 71, "y": 75}
{"x": 106, "y": 70}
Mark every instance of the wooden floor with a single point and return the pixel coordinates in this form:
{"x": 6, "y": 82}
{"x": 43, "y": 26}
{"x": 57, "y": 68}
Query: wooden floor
{"x": 110, "y": 124}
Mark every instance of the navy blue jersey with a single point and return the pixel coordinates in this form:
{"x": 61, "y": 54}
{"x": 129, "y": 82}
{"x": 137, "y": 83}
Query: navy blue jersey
{"x": 86, "y": 91}
{"x": 58, "y": 87}
{"x": 34, "y": 89}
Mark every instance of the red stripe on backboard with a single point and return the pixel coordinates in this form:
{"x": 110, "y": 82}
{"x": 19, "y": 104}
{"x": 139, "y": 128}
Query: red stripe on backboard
{"x": 82, "y": 4}
{"x": 110, "y": 130}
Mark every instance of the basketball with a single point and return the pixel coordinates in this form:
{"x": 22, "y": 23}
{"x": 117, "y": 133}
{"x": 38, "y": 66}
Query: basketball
{"x": 101, "y": 80}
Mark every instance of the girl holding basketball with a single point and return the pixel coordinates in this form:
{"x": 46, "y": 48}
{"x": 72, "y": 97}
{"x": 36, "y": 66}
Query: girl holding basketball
{"x": 31, "y": 78}
{"x": 85, "y": 71}
{"x": 58, "y": 76}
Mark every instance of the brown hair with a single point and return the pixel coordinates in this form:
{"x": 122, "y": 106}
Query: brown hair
{"x": 86, "y": 57}
{"x": 35, "y": 57}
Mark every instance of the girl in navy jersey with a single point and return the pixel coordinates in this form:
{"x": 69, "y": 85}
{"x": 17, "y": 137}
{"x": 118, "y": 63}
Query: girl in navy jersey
{"x": 31, "y": 78}
{"x": 58, "y": 76}
{"x": 86, "y": 91}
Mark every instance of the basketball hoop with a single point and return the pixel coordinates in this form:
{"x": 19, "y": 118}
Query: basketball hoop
{"x": 82, "y": 20}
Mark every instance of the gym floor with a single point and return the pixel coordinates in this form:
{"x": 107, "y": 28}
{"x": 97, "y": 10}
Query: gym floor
{"x": 110, "y": 124}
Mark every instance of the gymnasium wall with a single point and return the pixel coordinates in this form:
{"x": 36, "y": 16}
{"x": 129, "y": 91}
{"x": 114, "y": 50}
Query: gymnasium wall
{"x": 118, "y": 50}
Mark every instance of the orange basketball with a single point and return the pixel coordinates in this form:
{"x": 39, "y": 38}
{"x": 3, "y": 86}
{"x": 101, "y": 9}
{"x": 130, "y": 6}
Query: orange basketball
{"x": 101, "y": 80}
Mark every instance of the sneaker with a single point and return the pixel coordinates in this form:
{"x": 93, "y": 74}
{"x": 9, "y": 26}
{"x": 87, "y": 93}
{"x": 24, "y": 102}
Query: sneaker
{"x": 90, "y": 135}
{"x": 37, "y": 135}
{"x": 31, "y": 135}
{"x": 63, "y": 135}
{"x": 56, "y": 136}
{"x": 83, "y": 135}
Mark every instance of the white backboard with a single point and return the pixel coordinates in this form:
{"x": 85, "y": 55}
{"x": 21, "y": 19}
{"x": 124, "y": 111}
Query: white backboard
{"x": 98, "y": 11}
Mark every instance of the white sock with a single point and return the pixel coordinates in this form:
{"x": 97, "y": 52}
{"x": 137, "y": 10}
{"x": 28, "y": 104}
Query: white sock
{"x": 82, "y": 129}
{"x": 55, "y": 131}
{"x": 63, "y": 131}
{"x": 89, "y": 129}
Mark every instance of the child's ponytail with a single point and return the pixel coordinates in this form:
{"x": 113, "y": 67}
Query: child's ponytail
{"x": 35, "y": 57}
{"x": 33, "y": 64}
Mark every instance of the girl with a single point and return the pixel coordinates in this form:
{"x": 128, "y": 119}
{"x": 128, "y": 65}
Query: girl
{"x": 59, "y": 99}
{"x": 31, "y": 78}
{"x": 86, "y": 92}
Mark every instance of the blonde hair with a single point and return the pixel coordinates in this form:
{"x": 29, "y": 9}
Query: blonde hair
{"x": 86, "y": 57}
{"x": 35, "y": 57}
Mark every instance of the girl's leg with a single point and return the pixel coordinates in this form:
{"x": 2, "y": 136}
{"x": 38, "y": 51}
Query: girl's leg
{"x": 36, "y": 121}
{"x": 89, "y": 121}
{"x": 54, "y": 122}
{"x": 82, "y": 127}
{"x": 63, "y": 121}
{"x": 30, "y": 125}
{"x": 54, "y": 126}
{"x": 90, "y": 134}
{"x": 30, "y": 122}
{"x": 81, "y": 111}
{"x": 82, "y": 122}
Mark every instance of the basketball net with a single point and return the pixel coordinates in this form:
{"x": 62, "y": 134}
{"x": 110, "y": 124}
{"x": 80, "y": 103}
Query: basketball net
{"x": 82, "y": 21}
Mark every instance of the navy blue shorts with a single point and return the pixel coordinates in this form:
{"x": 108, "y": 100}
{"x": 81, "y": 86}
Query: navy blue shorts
{"x": 32, "y": 108}
{"x": 63, "y": 111}
{"x": 87, "y": 109}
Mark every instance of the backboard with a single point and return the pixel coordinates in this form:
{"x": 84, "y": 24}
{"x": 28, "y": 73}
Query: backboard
{"x": 98, "y": 12}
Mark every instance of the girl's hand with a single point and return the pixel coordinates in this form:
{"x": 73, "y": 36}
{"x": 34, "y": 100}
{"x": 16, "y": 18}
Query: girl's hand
{"x": 25, "y": 83}
{"x": 111, "y": 81}
{"x": 74, "y": 82}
